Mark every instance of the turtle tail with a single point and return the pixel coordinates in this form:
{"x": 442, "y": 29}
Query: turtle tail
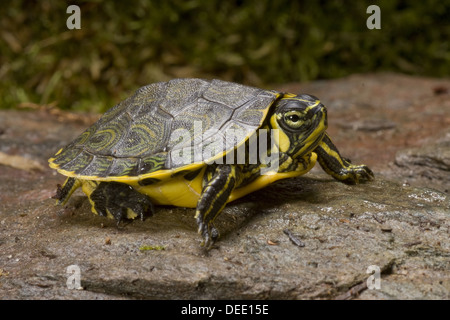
{"x": 63, "y": 193}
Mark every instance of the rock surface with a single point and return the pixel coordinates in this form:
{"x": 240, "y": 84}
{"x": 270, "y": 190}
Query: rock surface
{"x": 398, "y": 125}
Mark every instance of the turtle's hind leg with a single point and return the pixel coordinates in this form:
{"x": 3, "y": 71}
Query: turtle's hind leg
{"x": 118, "y": 200}
{"x": 63, "y": 193}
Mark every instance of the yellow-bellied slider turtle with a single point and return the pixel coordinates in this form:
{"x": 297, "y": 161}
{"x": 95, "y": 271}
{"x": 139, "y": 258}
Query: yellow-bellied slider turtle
{"x": 197, "y": 143}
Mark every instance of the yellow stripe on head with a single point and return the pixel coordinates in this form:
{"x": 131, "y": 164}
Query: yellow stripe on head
{"x": 281, "y": 139}
{"x": 316, "y": 102}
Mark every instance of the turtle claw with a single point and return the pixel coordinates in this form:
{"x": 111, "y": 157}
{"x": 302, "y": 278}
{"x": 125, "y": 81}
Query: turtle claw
{"x": 357, "y": 173}
{"x": 210, "y": 234}
{"x": 118, "y": 213}
{"x": 365, "y": 173}
{"x": 120, "y": 201}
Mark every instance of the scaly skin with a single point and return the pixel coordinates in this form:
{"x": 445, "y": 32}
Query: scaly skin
{"x": 338, "y": 167}
{"x": 301, "y": 122}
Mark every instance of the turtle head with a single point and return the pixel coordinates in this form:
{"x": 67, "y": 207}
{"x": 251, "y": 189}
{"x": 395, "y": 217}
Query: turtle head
{"x": 301, "y": 120}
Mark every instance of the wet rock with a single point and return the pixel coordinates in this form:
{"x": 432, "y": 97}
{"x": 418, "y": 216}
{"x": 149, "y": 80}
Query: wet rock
{"x": 398, "y": 223}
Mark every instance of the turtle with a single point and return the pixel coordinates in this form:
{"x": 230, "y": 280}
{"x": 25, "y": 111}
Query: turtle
{"x": 197, "y": 143}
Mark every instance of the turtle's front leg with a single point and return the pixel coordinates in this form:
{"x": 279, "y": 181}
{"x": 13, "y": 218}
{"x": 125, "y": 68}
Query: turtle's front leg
{"x": 218, "y": 186}
{"x": 118, "y": 200}
{"x": 338, "y": 167}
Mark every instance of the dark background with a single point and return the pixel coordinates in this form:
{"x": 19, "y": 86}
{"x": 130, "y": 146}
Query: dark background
{"x": 123, "y": 45}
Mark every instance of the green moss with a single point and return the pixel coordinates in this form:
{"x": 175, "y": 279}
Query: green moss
{"x": 124, "y": 45}
{"x": 149, "y": 248}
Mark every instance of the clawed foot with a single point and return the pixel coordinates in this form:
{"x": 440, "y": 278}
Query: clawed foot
{"x": 354, "y": 174}
{"x": 209, "y": 233}
{"x": 339, "y": 167}
{"x": 120, "y": 201}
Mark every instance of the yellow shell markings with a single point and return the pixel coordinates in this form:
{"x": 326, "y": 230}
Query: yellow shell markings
{"x": 160, "y": 174}
{"x": 52, "y": 159}
{"x": 143, "y": 131}
{"x": 174, "y": 191}
{"x": 270, "y": 177}
{"x": 84, "y": 136}
{"x": 104, "y": 142}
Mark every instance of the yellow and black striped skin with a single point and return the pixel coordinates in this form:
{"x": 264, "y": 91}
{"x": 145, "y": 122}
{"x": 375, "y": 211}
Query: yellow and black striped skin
{"x": 129, "y": 152}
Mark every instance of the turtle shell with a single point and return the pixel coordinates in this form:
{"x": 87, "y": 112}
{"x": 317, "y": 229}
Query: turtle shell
{"x": 144, "y": 135}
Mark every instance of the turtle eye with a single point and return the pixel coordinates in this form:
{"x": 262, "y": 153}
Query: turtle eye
{"x": 293, "y": 119}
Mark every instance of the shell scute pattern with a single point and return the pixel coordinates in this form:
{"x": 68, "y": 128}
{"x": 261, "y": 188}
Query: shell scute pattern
{"x": 138, "y": 135}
